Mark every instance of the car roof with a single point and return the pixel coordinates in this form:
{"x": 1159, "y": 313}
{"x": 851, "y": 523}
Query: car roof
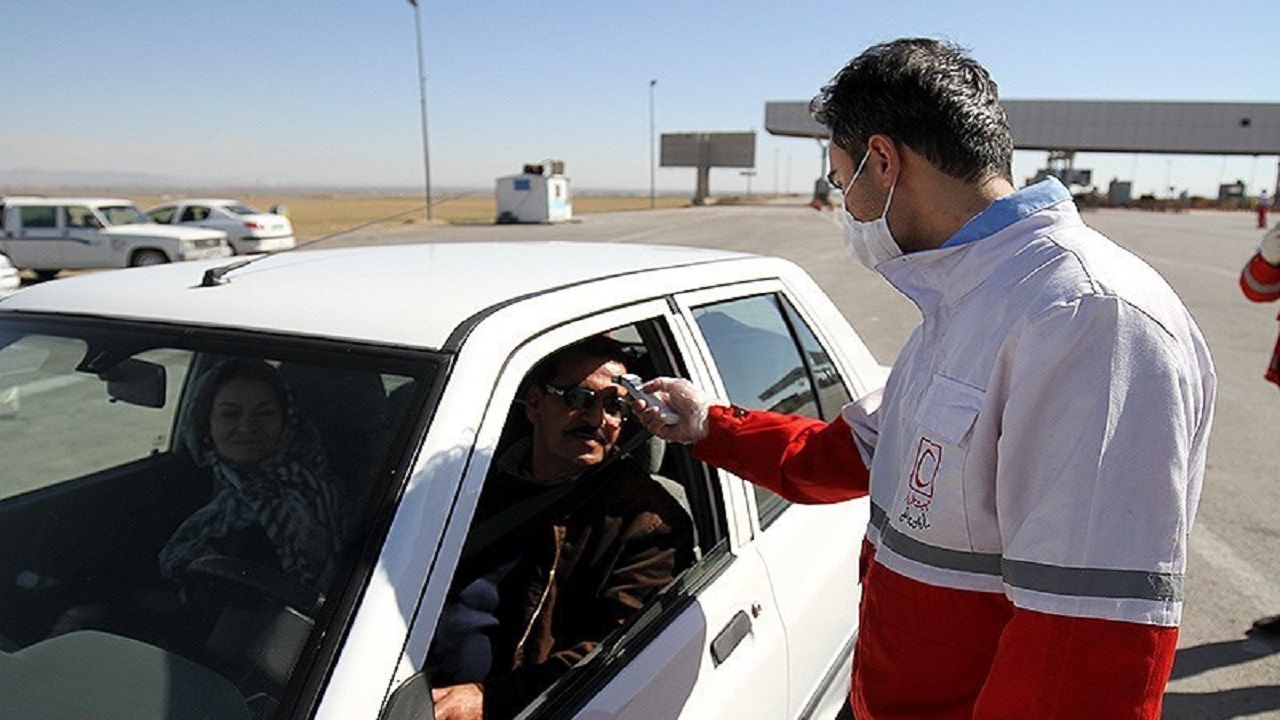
{"x": 205, "y": 201}
{"x": 412, "y": 295}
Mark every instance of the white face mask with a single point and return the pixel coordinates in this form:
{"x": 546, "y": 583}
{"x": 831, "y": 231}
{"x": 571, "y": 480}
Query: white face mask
{"x": 870, "y": 242}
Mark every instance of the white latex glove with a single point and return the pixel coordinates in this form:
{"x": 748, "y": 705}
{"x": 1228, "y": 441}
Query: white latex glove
{"x": 682, "y": 398}
{"x": 1269, "y": 248}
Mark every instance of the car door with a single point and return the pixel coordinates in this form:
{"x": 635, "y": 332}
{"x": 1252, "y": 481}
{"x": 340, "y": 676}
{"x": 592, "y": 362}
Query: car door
{"x": 711, "y": 644}
{"x": 766, "y": 354}
{"x": 38, "y": 239}
{"x": 86, "y": 246}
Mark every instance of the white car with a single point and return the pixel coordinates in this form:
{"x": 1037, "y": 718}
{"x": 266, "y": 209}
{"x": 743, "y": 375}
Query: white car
{"x": 248, "y": 230}
{"x": 411, "y": 382}
{"x": 49, "y": 234}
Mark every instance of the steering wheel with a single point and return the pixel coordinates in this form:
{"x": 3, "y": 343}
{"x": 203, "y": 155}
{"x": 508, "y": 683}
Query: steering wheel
{"x": 224, "y": 570}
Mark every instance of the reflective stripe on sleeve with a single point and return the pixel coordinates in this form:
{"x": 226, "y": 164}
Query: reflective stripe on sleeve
{"x": 1093, "y": 582}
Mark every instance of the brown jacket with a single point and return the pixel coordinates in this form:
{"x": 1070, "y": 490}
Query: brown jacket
{"x": 585, "y": 565}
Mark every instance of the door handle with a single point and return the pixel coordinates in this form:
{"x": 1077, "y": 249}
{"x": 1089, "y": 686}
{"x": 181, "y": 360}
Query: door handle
{"x": 728, "y": 639}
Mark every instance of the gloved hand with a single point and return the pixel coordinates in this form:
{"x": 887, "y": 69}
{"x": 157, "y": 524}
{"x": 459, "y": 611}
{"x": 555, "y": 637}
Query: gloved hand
{"x": 1269, "y": 248}
{"x": 682, "y": 398}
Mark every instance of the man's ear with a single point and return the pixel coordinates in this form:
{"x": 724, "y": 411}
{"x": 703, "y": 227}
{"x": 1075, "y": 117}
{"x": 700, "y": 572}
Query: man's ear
{"x": 532, "y": 399}
{"x": 884, "y": 163}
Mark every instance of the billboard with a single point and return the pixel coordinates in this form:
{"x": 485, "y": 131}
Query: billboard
{"x": 716, "y": 149}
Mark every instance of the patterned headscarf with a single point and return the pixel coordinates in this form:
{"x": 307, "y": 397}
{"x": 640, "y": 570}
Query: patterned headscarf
{"x": 290, "y": 495}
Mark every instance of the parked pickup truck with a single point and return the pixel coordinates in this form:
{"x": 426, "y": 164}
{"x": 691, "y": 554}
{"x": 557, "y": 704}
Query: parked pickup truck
{"x": 47, "y": 235}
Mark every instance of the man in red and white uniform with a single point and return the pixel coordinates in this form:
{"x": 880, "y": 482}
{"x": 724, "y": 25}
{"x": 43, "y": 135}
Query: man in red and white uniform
{"x": 1260, "y": 281}
{"x": 1035, "y": 458}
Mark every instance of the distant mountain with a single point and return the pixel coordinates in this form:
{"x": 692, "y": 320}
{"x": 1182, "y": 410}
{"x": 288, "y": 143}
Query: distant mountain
{"x": 19, "y": 178}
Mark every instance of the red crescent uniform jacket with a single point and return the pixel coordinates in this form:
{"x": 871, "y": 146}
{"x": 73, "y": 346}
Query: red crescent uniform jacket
{"x": 934, "y": 653}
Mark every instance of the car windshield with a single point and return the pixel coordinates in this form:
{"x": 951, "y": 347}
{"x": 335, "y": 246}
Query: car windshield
{"x": 180, "y": 508}
{"x": 241, "y": 209}
{"x": 122, "y": 215}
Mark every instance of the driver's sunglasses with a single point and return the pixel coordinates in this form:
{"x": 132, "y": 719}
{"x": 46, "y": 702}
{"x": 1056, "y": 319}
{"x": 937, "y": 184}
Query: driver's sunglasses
{"x": 580, "y": 398}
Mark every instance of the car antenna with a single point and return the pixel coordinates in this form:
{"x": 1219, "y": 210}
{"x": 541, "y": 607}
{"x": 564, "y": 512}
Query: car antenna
{"x": 216, "y": 276}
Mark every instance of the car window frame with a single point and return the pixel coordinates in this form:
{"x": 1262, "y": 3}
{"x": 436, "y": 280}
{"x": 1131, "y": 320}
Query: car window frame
{"x": 687, "y": 303}
{"x": 576, "y": 688}
{"x": 739, "y": 504}
{"x": 55, "y": 212}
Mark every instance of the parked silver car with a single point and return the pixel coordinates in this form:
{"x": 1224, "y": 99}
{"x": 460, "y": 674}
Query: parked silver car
{"x": 248, "y": 230}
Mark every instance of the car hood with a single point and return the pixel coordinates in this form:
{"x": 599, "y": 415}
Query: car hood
{"x": 165, "y": 231}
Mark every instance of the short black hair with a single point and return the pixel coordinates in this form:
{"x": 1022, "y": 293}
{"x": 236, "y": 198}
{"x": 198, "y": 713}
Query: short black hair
{"x": 926, "y": 94}
{"x": 595, "y": 346}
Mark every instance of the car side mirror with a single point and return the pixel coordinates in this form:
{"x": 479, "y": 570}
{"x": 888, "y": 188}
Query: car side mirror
{"x": 410, "y": 701}
{"x": 136, "y": 382}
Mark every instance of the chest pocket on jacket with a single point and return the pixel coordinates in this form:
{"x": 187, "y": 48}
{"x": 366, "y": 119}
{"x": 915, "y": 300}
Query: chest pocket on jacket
{"x": 948, "y": 409}
{"x": 932, "y": 500}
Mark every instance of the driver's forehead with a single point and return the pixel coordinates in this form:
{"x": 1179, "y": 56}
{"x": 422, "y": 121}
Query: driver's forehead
{"x": 587, "y": 371}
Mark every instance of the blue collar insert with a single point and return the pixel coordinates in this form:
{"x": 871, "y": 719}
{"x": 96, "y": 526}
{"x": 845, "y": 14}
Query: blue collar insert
{"x": 1010, "y": 209}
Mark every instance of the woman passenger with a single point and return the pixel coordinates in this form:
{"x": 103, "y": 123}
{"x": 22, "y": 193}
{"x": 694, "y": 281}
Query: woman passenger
{"x": 274, "y": 500}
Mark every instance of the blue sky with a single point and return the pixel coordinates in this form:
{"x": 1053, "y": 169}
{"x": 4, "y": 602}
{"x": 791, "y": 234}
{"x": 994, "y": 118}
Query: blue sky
{"x": 318, "y": 92}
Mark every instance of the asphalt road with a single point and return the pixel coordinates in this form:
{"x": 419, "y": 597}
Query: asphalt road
{"x": 1232, "y": 578}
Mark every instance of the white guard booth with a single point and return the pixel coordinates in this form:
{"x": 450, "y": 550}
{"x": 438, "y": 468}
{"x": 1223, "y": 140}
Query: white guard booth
{"x": 540, "y": 194}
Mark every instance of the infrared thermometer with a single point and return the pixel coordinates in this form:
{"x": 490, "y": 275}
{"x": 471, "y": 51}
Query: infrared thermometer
{"x": 632, "y": 383}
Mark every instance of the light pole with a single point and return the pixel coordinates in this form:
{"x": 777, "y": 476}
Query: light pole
{"x": 422, "y": 95}
{"x": 652, "y": 198}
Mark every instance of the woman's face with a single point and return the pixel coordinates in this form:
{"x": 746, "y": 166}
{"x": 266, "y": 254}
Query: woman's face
{"x": 246, "y": 421}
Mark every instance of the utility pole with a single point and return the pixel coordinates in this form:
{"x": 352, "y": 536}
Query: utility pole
{"x": 652, "y": 192}
{"x": 422, "y": 95}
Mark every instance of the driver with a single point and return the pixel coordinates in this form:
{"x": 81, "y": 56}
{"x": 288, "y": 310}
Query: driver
{"x": 587, "y": 536}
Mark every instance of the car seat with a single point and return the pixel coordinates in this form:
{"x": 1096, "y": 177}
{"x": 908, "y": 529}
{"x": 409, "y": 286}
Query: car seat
{"x": 349, "y": 409}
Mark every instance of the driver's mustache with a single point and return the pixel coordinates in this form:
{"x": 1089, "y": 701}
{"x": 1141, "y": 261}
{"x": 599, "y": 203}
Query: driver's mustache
{"x": 595, "y": 432}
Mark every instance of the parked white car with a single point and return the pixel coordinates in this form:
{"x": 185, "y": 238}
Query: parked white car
{"x": 49, "y": 234}
{"x": 411, "y": 382}
{"x": 248, "y": 230}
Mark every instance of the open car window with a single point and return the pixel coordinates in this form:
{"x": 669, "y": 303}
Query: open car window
{"x": 554, "y": 580}
{"x": 179, "y": 510}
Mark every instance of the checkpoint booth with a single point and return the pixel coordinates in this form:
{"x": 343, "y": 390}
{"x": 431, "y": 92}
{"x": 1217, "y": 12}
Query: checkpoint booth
{"x": 539, "y": 194}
